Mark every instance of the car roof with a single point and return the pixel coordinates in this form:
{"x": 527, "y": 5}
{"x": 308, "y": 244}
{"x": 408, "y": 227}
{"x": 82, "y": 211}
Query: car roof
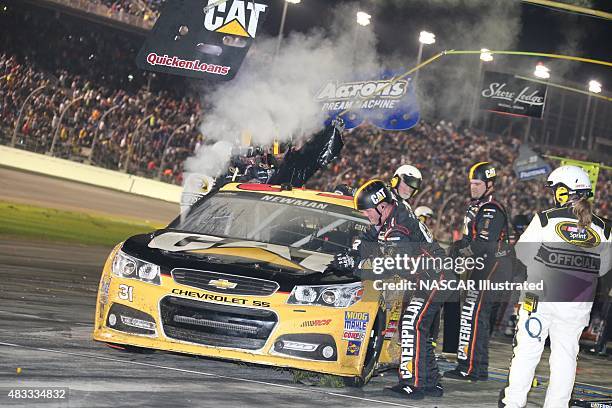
{"x": 296, "y": 193}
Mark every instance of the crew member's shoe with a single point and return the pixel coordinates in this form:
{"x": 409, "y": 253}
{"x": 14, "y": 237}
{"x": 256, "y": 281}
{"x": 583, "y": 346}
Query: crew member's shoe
{"x": 405, "y": 391}
{"x": 436, "y": 391}
{"x": 458, "y": 374}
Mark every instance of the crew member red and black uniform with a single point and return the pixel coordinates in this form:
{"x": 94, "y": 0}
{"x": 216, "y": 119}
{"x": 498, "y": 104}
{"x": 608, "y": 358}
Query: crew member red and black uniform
{"x": 485, "y": 236}
{"x": 394, "y": 226}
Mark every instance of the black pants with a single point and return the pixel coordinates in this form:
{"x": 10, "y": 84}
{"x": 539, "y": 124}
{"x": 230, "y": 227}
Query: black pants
{"x": 475, "y": 319}
{"x": 418, "y": 367}
{"x": 451, "y": 313}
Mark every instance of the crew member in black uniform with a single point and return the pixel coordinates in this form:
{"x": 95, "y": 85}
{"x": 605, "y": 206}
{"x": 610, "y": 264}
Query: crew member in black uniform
{"x": 394, "y": 228}
{"x": 485, "y": 236}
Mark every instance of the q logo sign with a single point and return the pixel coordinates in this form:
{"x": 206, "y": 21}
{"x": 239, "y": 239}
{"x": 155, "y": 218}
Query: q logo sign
{"x": 238, "y": 17}
{"x": 378, "y": 197}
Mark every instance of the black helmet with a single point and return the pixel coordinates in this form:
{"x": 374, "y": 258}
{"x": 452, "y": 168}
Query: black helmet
{"x": 370, "y": 194}
{"x": 484, "y": 171}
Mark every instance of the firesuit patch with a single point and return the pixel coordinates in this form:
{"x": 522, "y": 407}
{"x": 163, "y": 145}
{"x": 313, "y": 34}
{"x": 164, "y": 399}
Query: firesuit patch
{"x": 353, "y": 348}
{"x": 584, "y": 237}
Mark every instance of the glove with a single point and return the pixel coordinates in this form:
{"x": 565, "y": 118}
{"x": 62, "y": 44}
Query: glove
{"x": 345, "y": 263}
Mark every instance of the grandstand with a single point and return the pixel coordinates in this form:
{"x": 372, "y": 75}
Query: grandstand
{"x": 72, "y": 89}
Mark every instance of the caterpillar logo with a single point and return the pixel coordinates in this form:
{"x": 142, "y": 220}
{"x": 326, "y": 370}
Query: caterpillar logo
{"x": 238, "y": 17}
{"x": 378, "y": 197}
{"x": 489, "y": 173}
{"x": 582, "y": 237}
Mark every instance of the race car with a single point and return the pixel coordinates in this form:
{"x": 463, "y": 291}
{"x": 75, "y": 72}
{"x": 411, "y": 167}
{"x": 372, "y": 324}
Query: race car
{"x": 243, "y": 276}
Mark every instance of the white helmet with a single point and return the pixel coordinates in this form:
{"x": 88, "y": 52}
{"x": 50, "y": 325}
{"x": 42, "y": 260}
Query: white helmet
{"x": 423, "y": 211}
{"x": 409, "y": 175}
{"x": 569, "y": 181}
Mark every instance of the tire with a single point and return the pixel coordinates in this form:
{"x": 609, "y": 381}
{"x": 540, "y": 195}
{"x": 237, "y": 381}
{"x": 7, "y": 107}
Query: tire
{"x": 372, "y": 353}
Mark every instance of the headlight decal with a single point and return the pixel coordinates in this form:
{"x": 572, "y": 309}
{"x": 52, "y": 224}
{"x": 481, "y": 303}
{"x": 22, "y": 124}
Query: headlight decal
{"x": 340, "y": 296}
{"x": 126, "y": 266}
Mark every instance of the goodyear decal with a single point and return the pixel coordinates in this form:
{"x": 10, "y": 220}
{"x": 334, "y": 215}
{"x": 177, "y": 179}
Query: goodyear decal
{"x": 353, "y": 348}
{"x": 220, "y": 298}
{"x": 238, "y": 17}
{"x": 569, "y": 231}
{"x": 353, "y": 335}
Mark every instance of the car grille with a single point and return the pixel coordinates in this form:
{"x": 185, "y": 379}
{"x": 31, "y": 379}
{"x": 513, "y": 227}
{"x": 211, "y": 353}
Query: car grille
{"x": 213, "y": 324}
{"x": 224, "y": 283}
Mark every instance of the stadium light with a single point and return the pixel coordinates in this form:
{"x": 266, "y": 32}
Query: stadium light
{"x": 363, "y": 18}
{"x": 281, "y": 30}
{"x": 594, "y": 86}
{"x": 485, "y": 55}
{"x": 426, "y": 37}
{"x": 541, "y": 71}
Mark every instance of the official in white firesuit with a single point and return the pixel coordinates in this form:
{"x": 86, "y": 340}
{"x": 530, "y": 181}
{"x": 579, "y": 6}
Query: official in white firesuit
{"x": 563, "y": 245}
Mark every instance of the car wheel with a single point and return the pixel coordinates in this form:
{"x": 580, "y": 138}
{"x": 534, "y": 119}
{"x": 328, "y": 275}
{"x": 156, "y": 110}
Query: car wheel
{"x": 372, "y": 353}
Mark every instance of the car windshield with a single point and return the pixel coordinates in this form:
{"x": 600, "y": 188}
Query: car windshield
{"x": 296, "y": 223}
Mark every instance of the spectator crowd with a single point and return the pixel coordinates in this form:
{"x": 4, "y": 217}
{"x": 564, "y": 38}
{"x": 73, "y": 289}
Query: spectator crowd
{"x": 79, "y": 84}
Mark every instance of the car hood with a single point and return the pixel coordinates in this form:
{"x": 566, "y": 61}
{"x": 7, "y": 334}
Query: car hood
{"x": 176, "y": 249}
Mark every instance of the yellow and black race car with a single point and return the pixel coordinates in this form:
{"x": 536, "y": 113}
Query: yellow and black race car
{"x": 242, "y": 276}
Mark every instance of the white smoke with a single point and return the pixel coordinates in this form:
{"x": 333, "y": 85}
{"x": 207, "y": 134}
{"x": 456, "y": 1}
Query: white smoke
{"x": 273, "y": 98}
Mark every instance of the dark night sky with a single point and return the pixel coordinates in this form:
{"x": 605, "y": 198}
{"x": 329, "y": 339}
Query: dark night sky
{"x": 542, "y": 30}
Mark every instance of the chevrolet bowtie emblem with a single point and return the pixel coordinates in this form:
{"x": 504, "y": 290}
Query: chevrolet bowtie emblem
{"x": 222, "y": 284}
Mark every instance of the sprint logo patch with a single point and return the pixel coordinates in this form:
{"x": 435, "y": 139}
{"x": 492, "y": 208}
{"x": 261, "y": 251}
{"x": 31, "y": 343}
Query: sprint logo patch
{"x": 569, "y": 231}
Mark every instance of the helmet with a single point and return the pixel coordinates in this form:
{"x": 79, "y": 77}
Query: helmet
{"x": 370, "y": 194}
{"x": 409, "y": 175}
{"x": 484, "y": 171}
{"x": 423, "y": 211}
{"x": 567, "y": 181}
{"x": 344, "y": 189}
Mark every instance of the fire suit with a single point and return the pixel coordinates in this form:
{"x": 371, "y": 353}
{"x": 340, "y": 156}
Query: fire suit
{"x": 418, "y": 368}
{"x": 485, "y": 236}
{"x": 554, "y": 248}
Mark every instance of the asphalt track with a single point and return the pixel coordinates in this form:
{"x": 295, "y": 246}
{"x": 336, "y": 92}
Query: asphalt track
{"x": 36, "y": 189}
{"x": 47, "y": 302}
